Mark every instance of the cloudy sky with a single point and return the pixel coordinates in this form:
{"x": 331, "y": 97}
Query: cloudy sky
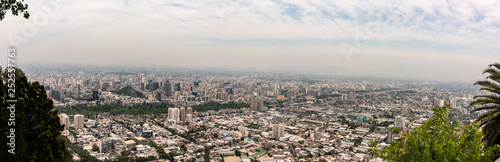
{"x": 426, "y": 39}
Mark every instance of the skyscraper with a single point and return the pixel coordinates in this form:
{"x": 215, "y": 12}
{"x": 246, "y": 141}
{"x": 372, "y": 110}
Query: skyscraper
{"x": 177, "y": 87}
{"x": 78, "y": 121}
{"x": 173, "y": 114}
{"x": 167, "y": 87}
{"x": 182, "y": 114}
{"x": 95, "y": 95}
{"x": 405, "y": 110}
{"x": 278, "y": 131}
{"x": 189, "y": 110}
{"x": 64, "y": 121}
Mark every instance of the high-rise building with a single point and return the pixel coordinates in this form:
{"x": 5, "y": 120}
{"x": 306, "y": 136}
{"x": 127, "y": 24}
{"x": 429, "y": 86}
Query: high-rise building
{"x": 453, "y": 103}
{"x": 95, "y": 95}
{"x": 399, "y": 122}
{"x": 196, "y": 84}
{"x": 61, "y": 93}
{"x": 405, "y": 110}
{"x": 78, "y": 121}
{"x": 64, "y": 121}
{"x": 189, "y": 117}
{"x": 177, "y": 87}
{"x": 344, "y": 97}
{"x": 438, "y": 103}
{"x": 278, "y": 131}
{"x": 189, "y": 110}
{"x": 173, "y": 114}
{"x": 256, "y": 103}
{"x": 167, "y": 88}
{"x": 105, "y": 145}
{"x": 182, "y": 114}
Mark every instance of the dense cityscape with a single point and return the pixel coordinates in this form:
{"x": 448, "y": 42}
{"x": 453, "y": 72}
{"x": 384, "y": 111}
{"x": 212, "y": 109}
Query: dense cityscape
{"x": 249, "y": 81}
{"x": 194, "y": 115}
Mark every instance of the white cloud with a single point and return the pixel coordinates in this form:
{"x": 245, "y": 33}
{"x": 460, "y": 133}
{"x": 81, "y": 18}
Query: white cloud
{"x": 120, "y": 26}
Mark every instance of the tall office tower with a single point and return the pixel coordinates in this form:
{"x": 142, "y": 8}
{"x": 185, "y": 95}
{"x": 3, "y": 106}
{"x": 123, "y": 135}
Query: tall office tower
{"x": 95, "y": 95}
{"x": 173, "y": 114}
{"x": 405, "y": 110}
{"x": 61, "y": 93}
{"x": 78, "y": 121}
{"x": 399, "y": 122}
{"x": 278, "y": 131}
{"x": 182, "y": 114}
{"x": 167, "y": 87}
{"x": 142, "y": 86}
{"x": 189, "y": 117}
{"x": 243, "y": 130}
{"x": 177, "y": 87}
{"x": 189, "y": 110}
{"x": 64, "y": 121}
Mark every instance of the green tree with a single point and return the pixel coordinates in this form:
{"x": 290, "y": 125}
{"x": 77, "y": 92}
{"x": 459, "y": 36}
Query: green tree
{"x": 95, "y": 148}
{"x": 490, "y": 121}
{"x": 207, "y": 155}
{"x": 438, "y": 140}
{"x": 37, "y": 128}
{"x": 15, "y": 6}
{"x": 237, "y": 153}
{"x": 394, "y": 130}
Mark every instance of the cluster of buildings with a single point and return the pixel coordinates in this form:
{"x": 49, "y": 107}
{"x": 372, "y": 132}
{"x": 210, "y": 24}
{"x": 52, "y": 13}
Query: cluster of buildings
{"x": 289, "y": 118}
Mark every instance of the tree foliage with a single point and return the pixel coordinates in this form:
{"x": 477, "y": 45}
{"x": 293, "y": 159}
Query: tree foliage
{"x": 129, "y": 91}
{"x": 15, "y": 6}
{"x": 37, "y": 128}
{"x": 438, "y": 140}
{"x": 490, "y": 120}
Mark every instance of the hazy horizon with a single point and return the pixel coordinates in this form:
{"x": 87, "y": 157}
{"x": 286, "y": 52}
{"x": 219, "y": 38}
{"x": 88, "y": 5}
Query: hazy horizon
{"x": 429, "y": 40}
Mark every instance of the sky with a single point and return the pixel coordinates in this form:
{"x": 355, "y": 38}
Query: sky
{"x": 427, "y": 39}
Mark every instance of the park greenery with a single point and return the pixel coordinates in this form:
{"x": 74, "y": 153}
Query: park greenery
{"x": 326, "y": 96}
{"x": 129, "y": 91}
{"x": 438, "y": 140}
{"x": 162, "y": 108}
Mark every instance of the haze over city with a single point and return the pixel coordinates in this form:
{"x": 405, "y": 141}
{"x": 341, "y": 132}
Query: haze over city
{"x": 430, "y": 40}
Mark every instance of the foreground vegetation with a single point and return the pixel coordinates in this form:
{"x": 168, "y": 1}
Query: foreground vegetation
{"x": 438, "y": 140}
{"x": 490, "y": 103}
